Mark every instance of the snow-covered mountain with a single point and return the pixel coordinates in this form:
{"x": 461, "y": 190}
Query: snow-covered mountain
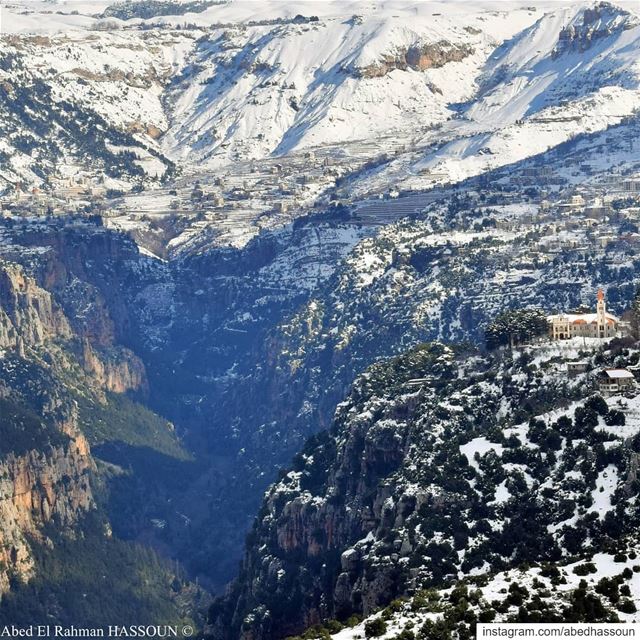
{"x": 85, "y": 98}
{"x": 254, "y": 88}
{"x": 574, "y": 71}
{"x": 322, "y": 98}
{"x": 316, "y": 189}
{"x": 273, "y": 88}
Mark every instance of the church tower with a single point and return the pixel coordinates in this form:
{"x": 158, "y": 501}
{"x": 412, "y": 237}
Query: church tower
{"x": 601, "y": 313}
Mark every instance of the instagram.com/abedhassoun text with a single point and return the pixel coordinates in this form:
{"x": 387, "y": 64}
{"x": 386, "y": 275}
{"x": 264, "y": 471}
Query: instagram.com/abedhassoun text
{"x": 557, "y": 630}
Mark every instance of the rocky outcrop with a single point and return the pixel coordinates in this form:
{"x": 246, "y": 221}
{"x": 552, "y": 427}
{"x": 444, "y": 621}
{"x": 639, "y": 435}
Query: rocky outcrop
{"x": 419, "y": 57}
{"x": 28, "y": 314}
{"x": 35, "y": 488}
{"x": 57, "y": 326}
{"x": 80, "y": 265}
{"x": 597, "y": 22}
{"x": 422, "y": 478}
{"x": 303, "y": 550}
{"x": 117, "y": 370}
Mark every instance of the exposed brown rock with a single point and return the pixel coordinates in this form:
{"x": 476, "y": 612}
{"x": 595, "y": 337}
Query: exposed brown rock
{"x": 119, "y": 371}
{"x": 35, "y": 488}
{"x": 27, "y": 312}
{"x": 418, "y": 57}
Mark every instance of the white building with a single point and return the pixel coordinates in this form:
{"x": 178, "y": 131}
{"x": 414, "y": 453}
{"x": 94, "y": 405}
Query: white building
{"x": 585, "y": 325}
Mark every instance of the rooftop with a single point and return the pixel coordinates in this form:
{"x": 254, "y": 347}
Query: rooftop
{"x": 618, "y": 373}
{"x": 581, "y": 318}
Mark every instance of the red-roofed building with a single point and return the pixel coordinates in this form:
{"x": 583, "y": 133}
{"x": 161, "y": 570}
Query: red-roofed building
{"x": 600, "y": 324}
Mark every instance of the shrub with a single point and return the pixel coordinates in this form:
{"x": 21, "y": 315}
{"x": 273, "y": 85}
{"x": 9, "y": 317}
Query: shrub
{"x": 598, "y": 404}
{"x": 552, "y": 440}
{"x": 608, "y": 588}
{"x": 564, "y": 425}
{"x": 615, "y": 418}
{"x": 550, "y": 571}
{"x": 537, "y": 430}
{"x": 352, "y": 620}
{"x": 627, "y": 606}
{"x": 375, "y": 628}
{"x": 406, "y": 634}
{"x": 333, "y": 626}
{"x": 585, "y": 569}
{"x": 395, "y": 605}
{"x": 585, "y": 421}
{"x": 487, "y": 615}
{"x": 517, "y": 594}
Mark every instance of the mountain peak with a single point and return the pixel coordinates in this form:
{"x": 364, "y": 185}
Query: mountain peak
{"x": 593, "y": 23}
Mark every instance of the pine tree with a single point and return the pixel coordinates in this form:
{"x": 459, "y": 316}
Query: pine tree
{"x": 515, "y": 327}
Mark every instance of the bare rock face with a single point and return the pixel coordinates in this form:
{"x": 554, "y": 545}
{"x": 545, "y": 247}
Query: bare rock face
{"x": 27, "y": 311}
{"x": 418, "y": 57}
{"x": 428, "y": 56}
{"x": 316, "y": 533}
{"x": 48, "y": 314}
{"x": 598, "y": 22}
{"x": 35, "y": 488}
{"x": 30, "y": 316}
{"x": 118, "y": 370}
{"x": 359, "y": 519}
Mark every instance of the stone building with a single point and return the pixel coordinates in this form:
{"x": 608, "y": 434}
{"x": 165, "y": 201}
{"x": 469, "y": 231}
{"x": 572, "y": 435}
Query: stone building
{"x": 600, "y": 324}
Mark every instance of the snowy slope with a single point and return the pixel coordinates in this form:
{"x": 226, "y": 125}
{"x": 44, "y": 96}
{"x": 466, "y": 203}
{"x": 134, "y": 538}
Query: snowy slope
{"x": 543, "y": 69}
{"x": 416, "y": 89}
{"x": 253, "y": 91}
{"x": 551, "y": 594}
{"x": 576, "y": 70}
{"x": 85, "y": 98}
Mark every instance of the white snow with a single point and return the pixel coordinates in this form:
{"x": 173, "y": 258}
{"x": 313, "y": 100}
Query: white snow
{"x": 480, "y": 446}
{"x": 606, "y": 483}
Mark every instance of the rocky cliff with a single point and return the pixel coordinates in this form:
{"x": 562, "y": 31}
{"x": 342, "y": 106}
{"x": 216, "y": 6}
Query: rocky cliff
{"x": 418, "y": 57}
{"x": 38, "y": 487}
{"x": 48, "y": 352}
{"x": 78, "y": 446}
{"x": 118, "y": 370}
{"x": 433, "y": 466}
{"x": 597, "y": 23}
{"x": 47, "y": 297}
{"x": 28, "y": 313}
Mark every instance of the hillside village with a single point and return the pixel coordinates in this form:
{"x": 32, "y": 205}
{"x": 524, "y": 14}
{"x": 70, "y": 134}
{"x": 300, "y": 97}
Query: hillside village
{"x": 587, "y": 218}
{"x": 284, "y": 135}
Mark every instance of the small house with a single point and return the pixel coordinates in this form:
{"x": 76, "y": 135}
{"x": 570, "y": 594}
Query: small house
{"x": 612, "y": 381}
{"x": 576, "y": 368}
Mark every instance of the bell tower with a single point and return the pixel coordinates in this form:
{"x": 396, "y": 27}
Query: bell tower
{"x": 601, "y": 313}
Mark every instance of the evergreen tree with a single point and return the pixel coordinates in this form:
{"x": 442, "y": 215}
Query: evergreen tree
{"x": 516, "y": 326}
